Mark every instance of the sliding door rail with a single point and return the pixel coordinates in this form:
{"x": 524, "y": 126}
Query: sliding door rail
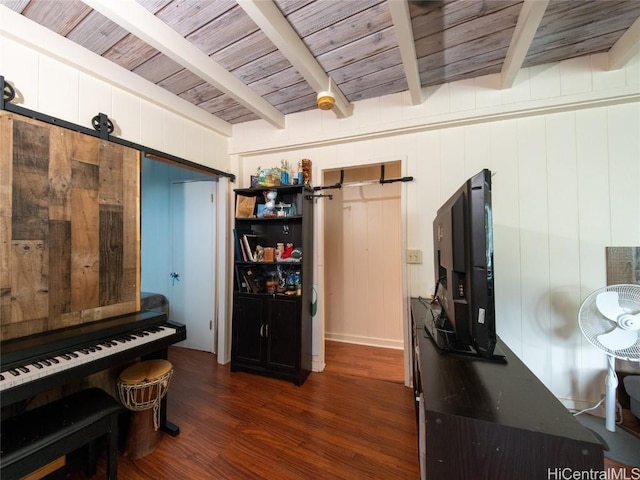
{"x": 102, "y": 129}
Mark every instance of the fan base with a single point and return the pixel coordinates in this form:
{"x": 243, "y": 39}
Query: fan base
{"x": 621, "y": 445}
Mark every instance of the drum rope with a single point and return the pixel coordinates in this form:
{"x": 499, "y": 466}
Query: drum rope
{"x": 145, "y": 395}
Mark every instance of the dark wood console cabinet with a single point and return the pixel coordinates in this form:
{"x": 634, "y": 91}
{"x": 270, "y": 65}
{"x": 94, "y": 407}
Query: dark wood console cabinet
{"x": 481, "y": 420}
{"x": 271, "y": 331}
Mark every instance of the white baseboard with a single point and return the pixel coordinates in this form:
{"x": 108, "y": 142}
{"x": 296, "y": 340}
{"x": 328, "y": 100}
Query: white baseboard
{"x": 369, "y": 341}
{"x": 317, "y": 366}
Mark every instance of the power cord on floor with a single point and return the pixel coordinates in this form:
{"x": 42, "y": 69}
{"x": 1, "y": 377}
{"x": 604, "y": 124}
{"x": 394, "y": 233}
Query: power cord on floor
{"x": 618, "y": 410}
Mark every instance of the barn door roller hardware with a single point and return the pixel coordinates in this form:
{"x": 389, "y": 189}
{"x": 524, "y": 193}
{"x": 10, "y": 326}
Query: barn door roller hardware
{"x": 103, "y": 127}
{"x": 8, "y": 92}
{"x": 342, "y": 184}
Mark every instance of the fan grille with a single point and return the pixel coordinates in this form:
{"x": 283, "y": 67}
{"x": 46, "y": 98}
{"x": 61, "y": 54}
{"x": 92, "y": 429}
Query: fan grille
{"x": 593, "y": 323}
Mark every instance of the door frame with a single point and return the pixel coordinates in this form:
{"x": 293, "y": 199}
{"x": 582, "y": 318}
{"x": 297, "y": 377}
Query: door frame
{"x": 222, "y": 311}
{"x": 319, "y": 265}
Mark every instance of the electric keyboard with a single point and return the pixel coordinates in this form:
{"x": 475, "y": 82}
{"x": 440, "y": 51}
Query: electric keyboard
{"x": 33, "y": 364}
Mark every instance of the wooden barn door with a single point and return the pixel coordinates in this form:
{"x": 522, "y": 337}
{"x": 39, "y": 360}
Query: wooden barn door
{"x": 69, "y": 227}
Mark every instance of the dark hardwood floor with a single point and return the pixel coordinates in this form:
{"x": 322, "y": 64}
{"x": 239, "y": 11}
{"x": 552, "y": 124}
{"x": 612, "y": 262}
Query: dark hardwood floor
{"x": 364, "y": 361}
{"x": 239, "y": 426}
{"x": 353, "y": 421}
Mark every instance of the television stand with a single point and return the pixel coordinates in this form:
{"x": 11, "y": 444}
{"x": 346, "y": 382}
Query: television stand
{"x": 445, "y": 340}
{"x": 498, "y": 355}
{"x": 491, "y": 420}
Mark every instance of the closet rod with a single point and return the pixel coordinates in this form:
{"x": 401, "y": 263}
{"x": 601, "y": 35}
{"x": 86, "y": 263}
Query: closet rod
{"x": 363, "y": 183}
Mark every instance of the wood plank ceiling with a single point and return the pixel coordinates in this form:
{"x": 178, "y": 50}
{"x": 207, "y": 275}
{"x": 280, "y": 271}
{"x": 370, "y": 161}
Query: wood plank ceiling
{"x": 265, "y": 59}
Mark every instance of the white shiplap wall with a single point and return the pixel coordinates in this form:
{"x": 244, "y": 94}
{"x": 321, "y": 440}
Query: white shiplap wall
{"x": 563, "y": 143}
{"x": 564, "y": 147}
{"x": 54, "y": 87}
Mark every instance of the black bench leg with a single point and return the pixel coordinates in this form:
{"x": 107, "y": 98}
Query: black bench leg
{"x": 90, "y": 459}
{"x": 112, "y": 449}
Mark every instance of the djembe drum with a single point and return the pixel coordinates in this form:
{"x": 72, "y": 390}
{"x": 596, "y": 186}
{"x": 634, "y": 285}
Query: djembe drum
{"x": 142, "y": 387}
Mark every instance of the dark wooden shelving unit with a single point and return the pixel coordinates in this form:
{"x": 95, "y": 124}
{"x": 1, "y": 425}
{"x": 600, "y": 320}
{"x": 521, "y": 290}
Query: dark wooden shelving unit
{"x": 271, "y": 331}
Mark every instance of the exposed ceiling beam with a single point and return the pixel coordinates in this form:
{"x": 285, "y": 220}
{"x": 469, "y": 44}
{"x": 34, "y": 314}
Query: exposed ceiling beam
{"x": 274, "y": 25}
{"x": 143, "y": 24}
{"x": 528, "y": 22}
{"x": 627, "y": 46}
{"x": 401, "y": 18}
{"x": 27, "y": 32}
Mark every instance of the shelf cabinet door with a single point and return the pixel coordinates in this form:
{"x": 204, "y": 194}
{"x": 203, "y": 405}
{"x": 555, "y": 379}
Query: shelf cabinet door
{"x": 248, "y": 330}
{"x": 283, "y": 337}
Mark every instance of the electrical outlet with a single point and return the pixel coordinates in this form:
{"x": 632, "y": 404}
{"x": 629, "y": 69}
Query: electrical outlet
{"x": 414, "y": 256}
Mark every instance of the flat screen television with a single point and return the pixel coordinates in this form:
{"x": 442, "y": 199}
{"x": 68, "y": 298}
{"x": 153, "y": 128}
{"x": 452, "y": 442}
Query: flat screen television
{"x": 463, "y": 255}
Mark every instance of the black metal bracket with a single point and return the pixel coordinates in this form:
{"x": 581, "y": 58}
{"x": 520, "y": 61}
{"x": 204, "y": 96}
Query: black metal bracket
{"x": 335, "y": 185}
{"x": 381, "y": 181}
{"x": 392, "y": 180}
{"x": 102, "y": 128}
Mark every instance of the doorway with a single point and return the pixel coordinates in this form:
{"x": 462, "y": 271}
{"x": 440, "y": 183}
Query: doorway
{"x": 363, "y": 270}
{"x": 178, "y": 235}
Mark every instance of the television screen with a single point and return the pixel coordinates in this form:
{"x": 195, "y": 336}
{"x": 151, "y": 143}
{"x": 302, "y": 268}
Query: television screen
{"x": 463, "y": 255}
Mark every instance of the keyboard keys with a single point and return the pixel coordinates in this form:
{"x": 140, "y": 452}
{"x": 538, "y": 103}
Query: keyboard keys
{"x": 51, "y": 365}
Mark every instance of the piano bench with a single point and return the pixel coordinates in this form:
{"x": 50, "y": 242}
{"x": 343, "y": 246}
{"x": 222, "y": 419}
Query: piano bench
{"x": 33, "y": 439}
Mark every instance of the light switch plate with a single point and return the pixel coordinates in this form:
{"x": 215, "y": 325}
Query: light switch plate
{"x": 414, "y": 256}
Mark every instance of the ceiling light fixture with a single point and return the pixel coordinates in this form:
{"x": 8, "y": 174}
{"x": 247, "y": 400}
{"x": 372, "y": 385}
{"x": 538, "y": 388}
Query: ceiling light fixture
{"x": 326, "y": 99}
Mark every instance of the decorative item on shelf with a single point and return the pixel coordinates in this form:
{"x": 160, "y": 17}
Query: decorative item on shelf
{"x": 282, "y": 280}
{"x": 289, "y": 254}
{"x": 259, "y": 253}
{"x": 291, "y": 284}
{"x": 306, "y": 171}
{"x": 245, "y": 206}
{"x": 272, "y": 282}
{"x": 294, "y": 283}
{"x": 299, "y": 179}
{"x": 269, "y": 254}
{"x": 270, "y": 204}
{"x": 255, "y": 179}
{"x": 288, "y": 249}
{"x": 285, "y": 168}
{"x": 269, "y": 177}
{"x": 283, "y": 209}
